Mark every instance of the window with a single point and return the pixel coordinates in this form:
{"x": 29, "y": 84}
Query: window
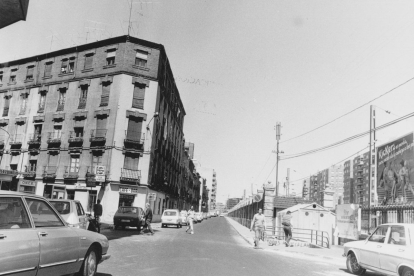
{"x": 1, "y": 76}
{"x": 6, "y": 107}
{"x": 23, "y": 104}
{"x": 61, "y": 101}
{"x": 78, "y": 132}
{"x": 74, "y": 164}
{"x": 13, "y": 214}
{"x": 79, "y": 209}
{"x": 96, "y": 160}
{"x": 88, "y": 61}
{"x": 139, "y": 95}
{"x": 134, "y": 129}
{"x": 42, "y": 102}
{"x": 42, "y": 214}
{"x": 70, "y": 194}
{"x": 141, "y": 58}
{"x": 83, "y": 96}
{"x": 38, "y": 129}
{"x": 106, "y": 87}
{"x": 101, "y": 126}
{"x": 379, "y": 234}
{"x": 29, "y": 75}
{"x": 131, "y": 162}
{"x": 13, "y": 76}
{"x": 64, "y": 67}
{"x": 48, "y": 69}
{"x": 57, "y": 131}
{"x": 110, "y": 57}
{"x": 32, "y": 165}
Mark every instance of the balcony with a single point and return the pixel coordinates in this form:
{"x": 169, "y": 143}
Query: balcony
{"x": 16, "y": 140}
{"x": 49, "y": 172}
{"x": 75, "y": 137}
{"x": 98, "y": 136}
{"x": 34, "y": 139}
{"x": 41, "y": 108}
{"x": 130, "y": 175}
{"x": 61, "y": 105}
{"x": 71, "y": 173}
{"x": 29, "y": 172}
{"x": 82, "y": 103}
{"x": 54, "y": 137}
{"x": 134, "y": 141}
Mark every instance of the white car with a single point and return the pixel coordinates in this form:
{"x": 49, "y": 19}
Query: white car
{"x": 171, "y": 217}
{"x": 71, "y": 211}
{"x": 199, "y": 217}
{"x": 389, "y": 250}
{"x": 183, "y": 215}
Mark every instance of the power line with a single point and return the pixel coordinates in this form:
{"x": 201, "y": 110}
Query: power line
{"x": 348, "y": 139}
{"x": 353, "y": 110}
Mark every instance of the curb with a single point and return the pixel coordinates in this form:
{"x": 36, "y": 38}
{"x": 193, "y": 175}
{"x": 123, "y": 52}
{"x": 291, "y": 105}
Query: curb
{"x": 249, "y": 242}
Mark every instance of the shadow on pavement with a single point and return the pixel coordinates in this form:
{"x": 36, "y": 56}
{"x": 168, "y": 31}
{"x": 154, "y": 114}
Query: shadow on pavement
{"x": 367, "y": 273}
{"x": 103, "y": 274}
{"x": 112, "y": 234}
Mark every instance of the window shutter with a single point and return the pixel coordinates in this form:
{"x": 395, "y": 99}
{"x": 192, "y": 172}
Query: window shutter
{"x": 48, "y": 69}
{"x": 88, "y": 61}
{"x": 30, "y": 71}
{"x": 65, "y": 63}
{"x": 134, "y": 129}
{"x": 106, "y": 87}
{"x": 141, "y": 55}
{"x": 131, "y": 162}
{"x": 111, "y": 54}
{"x": 139, "y": 95}
{"x": 101, "y": 126}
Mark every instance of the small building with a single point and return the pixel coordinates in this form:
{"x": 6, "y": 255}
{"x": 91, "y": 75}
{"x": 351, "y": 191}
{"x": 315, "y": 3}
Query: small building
{"x": 311, "y": 222}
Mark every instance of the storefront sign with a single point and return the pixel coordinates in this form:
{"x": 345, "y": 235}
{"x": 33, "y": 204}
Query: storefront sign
{"x": 7, "y": 175}
{"x": 79, "y": 187}
{"x": 100, "y": 170}
{"x": 347, "y": 220}
{"x": 395, "y": 174}
{"x": 100, "y": 178}
{"x": 128, "y": 190}
{"x": 24, "y": 182}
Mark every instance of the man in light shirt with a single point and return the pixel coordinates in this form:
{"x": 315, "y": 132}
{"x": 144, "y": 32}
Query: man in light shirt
{"x": 259, "y": 224}
{"x": 190, "y": 219}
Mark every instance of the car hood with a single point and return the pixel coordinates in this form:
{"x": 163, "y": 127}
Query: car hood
{"x": 93, "y": 237}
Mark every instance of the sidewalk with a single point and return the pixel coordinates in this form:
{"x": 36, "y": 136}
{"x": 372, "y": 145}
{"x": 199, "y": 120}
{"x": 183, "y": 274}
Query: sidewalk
{"x": 155, "y": 225}
{"x": 333, "y": 253}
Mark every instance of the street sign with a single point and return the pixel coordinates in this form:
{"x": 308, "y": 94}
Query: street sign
{"x": 100, "y": 170}
{"x": 100, "y": 178}
{"x": 257, "y": 198}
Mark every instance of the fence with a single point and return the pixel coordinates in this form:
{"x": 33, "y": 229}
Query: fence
{"x": 244, "y": 214}
{"x": 385, "y": 214}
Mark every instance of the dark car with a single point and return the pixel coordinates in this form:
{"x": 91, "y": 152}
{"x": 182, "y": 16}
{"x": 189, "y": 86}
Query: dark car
{"x": 129, "y": 216}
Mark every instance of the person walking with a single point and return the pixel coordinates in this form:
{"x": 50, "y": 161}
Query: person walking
{"x": 287, "y": 227}
{"x": 148, "y": 218}
{"x": 97, "y": 212}
{"x": 190, "y": 219}
{"x": 259, "y": 224}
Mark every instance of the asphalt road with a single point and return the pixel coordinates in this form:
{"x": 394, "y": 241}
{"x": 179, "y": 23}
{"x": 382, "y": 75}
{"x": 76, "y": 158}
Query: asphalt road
{"x": 214, "y": 249}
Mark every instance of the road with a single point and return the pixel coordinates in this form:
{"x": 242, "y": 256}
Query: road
{"x": 215, "y": 249}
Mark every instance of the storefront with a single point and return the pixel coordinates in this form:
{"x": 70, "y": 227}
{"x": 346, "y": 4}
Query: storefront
{"x": 27, "y": 186}
{"x": 54, "y": 191}
{"x": 127, "y": 196}
{"x": 8, "y": 180}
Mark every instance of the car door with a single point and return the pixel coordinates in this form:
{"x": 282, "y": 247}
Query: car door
{"x": 59, "y": 244}
{"x": 370, "y": 250}
{"x": 19, "y": 242}
{"x": 396, "y": 250}
{"x": 83, "y": 221}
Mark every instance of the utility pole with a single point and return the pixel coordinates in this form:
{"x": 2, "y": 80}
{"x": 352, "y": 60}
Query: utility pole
{"x": 287, "y": 182}
{"x": 372, "y": 184}
{"x": 278, "y": 127}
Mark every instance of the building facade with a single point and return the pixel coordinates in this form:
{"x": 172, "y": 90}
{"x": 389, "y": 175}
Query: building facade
{"x": 361, "y": 181}
{"x": 348, "y": 182}
{"x": 101, "y": 120}
{"x": 231, "y": 202}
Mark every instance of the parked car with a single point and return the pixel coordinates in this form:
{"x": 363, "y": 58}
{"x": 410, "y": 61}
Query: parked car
{"x": 205, "y": 215}
{"x": 36, "y": 240}
{"x": 171, "y": 217}
{"x": 199, "y": 217}
{"x": 72, "y": 212}
{"x": 389, "y": 250}
{"x": 223, "y": 214}
{"x": 183, "y": 215}
{"x": 129, "y": 216}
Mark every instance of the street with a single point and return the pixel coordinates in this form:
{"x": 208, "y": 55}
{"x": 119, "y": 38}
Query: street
{"x": 215, "y": 249}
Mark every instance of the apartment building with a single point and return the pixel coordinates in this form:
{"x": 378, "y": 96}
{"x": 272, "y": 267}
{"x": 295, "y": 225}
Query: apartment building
{"x": 101, "y": 120}
{"x": 361, "y": 178}
{"x": 348, "y": 182}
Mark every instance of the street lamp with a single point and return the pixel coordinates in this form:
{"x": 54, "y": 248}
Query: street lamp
{"x": 154, "y": 116}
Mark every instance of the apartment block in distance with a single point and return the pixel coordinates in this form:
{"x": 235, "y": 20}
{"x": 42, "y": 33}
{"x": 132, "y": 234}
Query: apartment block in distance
{"x": 348, "y": 182}
{"x": 361, "y": 178}
{"x": 101, "y": 120}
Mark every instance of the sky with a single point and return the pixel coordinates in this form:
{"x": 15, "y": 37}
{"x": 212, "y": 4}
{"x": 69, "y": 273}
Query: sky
{"x": 241, "y": 66}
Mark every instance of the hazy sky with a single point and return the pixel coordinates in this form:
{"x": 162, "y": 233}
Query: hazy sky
{"x": 240, "y": 66}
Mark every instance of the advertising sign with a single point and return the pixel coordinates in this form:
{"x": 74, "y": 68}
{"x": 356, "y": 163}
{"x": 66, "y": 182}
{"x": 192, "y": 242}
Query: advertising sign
{"x": 100, "y": 173}
{"x": 395, "y": 174}
{"x": 152, "y": 196}
{"x": 128, "y": 190}
{"x": 347, "y": 221}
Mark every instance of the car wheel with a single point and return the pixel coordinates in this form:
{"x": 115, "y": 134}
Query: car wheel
{"x": 123, "y": 227}
{"x": 407, "y": 272}
{"x": 178, "y": 226}
{"x": 115, "y": 227}
{"x": 353, "y": 266}
{"x": 90, "y": 264}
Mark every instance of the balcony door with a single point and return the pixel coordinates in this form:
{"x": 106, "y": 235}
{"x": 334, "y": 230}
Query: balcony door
{"x": 74, "y": 164}
{"x": 134, "y": 129}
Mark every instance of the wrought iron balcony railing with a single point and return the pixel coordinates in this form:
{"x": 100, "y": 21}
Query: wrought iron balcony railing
{"x": 49, "y": 172}
{"x": 75, "y": 137}
{"x": 71, "y": 172}
{"x": 54, "y": 137}
{"x": 29, "y": 172}
{"x": 98, "y": 135}
{"x": 34, "y": 138}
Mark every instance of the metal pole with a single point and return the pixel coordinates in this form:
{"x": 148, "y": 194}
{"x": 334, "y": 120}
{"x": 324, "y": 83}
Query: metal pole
{"x": 370, "y": 156}
{"x": 278, "y": 127}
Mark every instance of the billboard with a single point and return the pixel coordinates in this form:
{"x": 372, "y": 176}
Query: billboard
{"x": 347, "y": 220}
{"x": 395, "y": 173}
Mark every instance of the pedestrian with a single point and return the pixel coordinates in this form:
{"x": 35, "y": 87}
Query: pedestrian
{"x": 287, "y": 227}
{"x": 259, "y": 224}
{"x": 97, "y": 212}
{"x": 190, "y": 219}
{"x": 148, "y": 218}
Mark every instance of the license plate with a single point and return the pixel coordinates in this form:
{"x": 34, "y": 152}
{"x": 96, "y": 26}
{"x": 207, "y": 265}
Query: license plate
{"x": 169, "y": 219}
{"x": 125, "y": 220}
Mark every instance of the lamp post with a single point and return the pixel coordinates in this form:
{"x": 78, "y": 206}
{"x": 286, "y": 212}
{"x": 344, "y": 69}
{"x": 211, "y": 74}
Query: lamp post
{"x": 8, "y": 137}
{"x": 278, "y": 127}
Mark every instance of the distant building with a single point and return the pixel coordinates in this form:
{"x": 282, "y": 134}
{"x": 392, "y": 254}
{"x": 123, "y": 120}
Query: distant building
{"x": 361, "y": 178}
{"x": 231, "y": 202}
{"x": 211, "y": 183}
{"x": 189, "y": 147}
{"x": 348, "y": 182}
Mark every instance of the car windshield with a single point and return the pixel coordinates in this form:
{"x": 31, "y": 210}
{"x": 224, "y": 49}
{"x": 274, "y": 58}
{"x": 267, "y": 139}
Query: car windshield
{"x": 128, "y": 210}
{"x": 63, "y": 207}
{"x": 183, "y": 213}
{"x": 170, "y": 213}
